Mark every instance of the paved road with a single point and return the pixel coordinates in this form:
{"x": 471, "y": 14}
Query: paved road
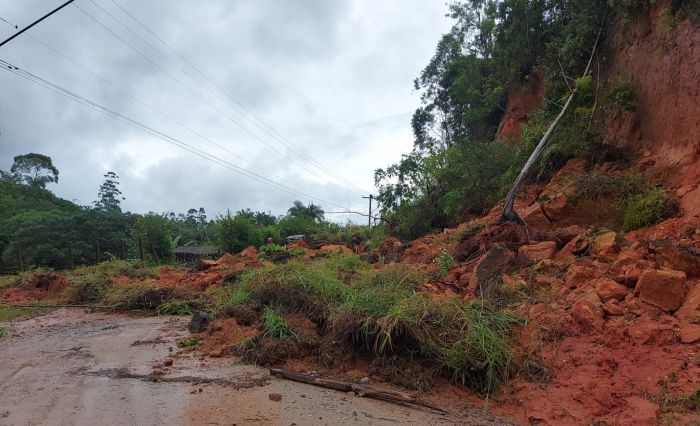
{"x": 72, "y": 368}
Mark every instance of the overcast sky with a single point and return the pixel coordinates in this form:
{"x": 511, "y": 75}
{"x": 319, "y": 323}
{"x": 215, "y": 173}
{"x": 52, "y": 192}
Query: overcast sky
{"x": 333, "y": 77}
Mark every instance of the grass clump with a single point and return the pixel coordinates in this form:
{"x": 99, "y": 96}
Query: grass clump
{"x": 647, "y": 209}
{"x": 187, "y": 342}
{"x": 445, "y": 263}
{"x": 598, "y": 185}
{"x": 175, "y": 307}
{"x": 481, "y": 356}
{"x": 2, "y": 332}
{"x": 276, "y": 325}
{"x": 378, "y": 313}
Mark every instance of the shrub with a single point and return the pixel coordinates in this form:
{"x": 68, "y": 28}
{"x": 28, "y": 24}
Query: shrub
{"x": 269, "y": 248}
{"x": 622, "y": 94}
{"x": 445, "y": 263}
{"x": 647, "y": 209}
{"x": 598, "y": 185}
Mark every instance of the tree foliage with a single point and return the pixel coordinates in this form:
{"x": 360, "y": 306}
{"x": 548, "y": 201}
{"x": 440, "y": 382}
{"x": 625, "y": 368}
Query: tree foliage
{"x": 35, "y": 170}
{"x": 457, "y": 166}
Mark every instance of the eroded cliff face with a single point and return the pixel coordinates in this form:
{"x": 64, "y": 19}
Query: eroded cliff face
{"x": 663, "y": 62}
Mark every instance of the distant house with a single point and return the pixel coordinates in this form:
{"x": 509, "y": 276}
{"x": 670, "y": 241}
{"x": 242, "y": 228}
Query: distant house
{"x": 193, "y": 253}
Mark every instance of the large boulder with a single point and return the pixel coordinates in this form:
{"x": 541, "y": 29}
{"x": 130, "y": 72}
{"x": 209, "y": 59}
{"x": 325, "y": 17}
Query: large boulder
{"x": 662, "y": 288}
{"x": 535, "y": 218}
{"x": 605, "y": 247}
{"x": 588, "y": 311}
{"x": 690, "y": 311}
{"x": 489, "y": 266}
{"x": 533, "y": 253}
{"x": 608, "y": 289}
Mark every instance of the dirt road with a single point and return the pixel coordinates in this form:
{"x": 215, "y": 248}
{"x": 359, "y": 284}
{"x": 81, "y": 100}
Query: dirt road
{"x": 68, "y": 367}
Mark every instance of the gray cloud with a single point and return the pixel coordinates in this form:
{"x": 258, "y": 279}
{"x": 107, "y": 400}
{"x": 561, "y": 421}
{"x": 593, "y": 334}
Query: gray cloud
{"x": 333, "y": 77}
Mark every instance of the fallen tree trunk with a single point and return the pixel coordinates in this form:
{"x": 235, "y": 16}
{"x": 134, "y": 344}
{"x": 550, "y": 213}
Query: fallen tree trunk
{"x": 508, "y": 213}
{"x": 360, "y": 390}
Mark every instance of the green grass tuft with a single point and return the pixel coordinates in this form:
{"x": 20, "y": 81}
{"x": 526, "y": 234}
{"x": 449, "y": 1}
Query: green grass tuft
{"x": 276, "y": 325}
{"x": 187, "y": 342}
{"x": 175, "y": 307}
{"x": 647, "y": 209}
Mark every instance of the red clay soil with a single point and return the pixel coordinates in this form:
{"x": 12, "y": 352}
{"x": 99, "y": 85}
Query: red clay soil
{"x": 181, "y": 278}
{"x": 37, "y": 286}
{"x": 223, "y": 337}
{"x": 523, "y": 100}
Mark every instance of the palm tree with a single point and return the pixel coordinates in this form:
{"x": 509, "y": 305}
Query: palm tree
{"x": 311, "y": 211}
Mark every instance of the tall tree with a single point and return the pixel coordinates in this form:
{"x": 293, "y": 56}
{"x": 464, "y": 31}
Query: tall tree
{"x": 35, "y": 170}
{"x": 312, "y": 211}
{"x": 109, "y": 195}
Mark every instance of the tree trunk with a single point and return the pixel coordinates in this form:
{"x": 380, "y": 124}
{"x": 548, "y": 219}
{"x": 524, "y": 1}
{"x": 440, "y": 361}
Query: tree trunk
{"x": 508, "y": 213}
{"x": 360, "y": 390}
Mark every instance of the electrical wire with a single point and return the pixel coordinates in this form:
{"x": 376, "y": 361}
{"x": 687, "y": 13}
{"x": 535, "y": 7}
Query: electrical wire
{"x": 267, "y": 127}
{"x": 255, "y": 136}
{"x": 167, "y": 138}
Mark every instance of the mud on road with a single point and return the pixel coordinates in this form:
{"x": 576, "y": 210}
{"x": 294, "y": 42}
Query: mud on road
{"x": 70, "y": 367}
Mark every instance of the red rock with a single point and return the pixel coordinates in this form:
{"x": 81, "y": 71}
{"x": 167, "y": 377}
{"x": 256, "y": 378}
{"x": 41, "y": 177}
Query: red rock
{"x": 576, "y": 247}
{"x": 588, "y": 312}
{"x": 608, "y": 289}
{"x": 577, "y": 275}
{"x": 168, "y": 362}
{"x": 559, "y": 205}
{"x": 533, "y": 253}
{"x": 612, "y": 308}
{"x": 605, "y": 247}
{"x": 662, "y": 288}
{"x": 690, "y": 311}
{"x": 491, "y": 264}
{"x": 227, "y": 259}
{"x": 632, "y": 276}
{"x": 689, "y": 333}
{"x": 535, "y": 218}
{"x": 250, "y": 253}
{"x": 564, "y": 235}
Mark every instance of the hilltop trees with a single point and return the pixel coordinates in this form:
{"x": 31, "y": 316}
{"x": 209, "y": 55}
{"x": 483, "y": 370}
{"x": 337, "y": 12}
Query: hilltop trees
{"x": 312, "y": 211}
{"x": 35, "y": 170}
{"x": 109, "y": 195}
{"x": 457, "y": 166}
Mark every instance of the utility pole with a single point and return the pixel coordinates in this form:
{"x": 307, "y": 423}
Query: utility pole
{"x": 17, "y": 34}
{"x": 369, "y": 217}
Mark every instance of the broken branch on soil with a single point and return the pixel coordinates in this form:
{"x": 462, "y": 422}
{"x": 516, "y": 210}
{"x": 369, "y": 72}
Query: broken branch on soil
{"x": 361, "y": 390}
{"x": 123, "y": 373}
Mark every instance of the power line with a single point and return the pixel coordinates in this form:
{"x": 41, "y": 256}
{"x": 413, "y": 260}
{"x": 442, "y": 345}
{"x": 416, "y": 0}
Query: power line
{"x": 275, "y": 134}
{"x": 172, "y": 140}
{"x": 281, "y": 154}
{"x": 35, "y": 22}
